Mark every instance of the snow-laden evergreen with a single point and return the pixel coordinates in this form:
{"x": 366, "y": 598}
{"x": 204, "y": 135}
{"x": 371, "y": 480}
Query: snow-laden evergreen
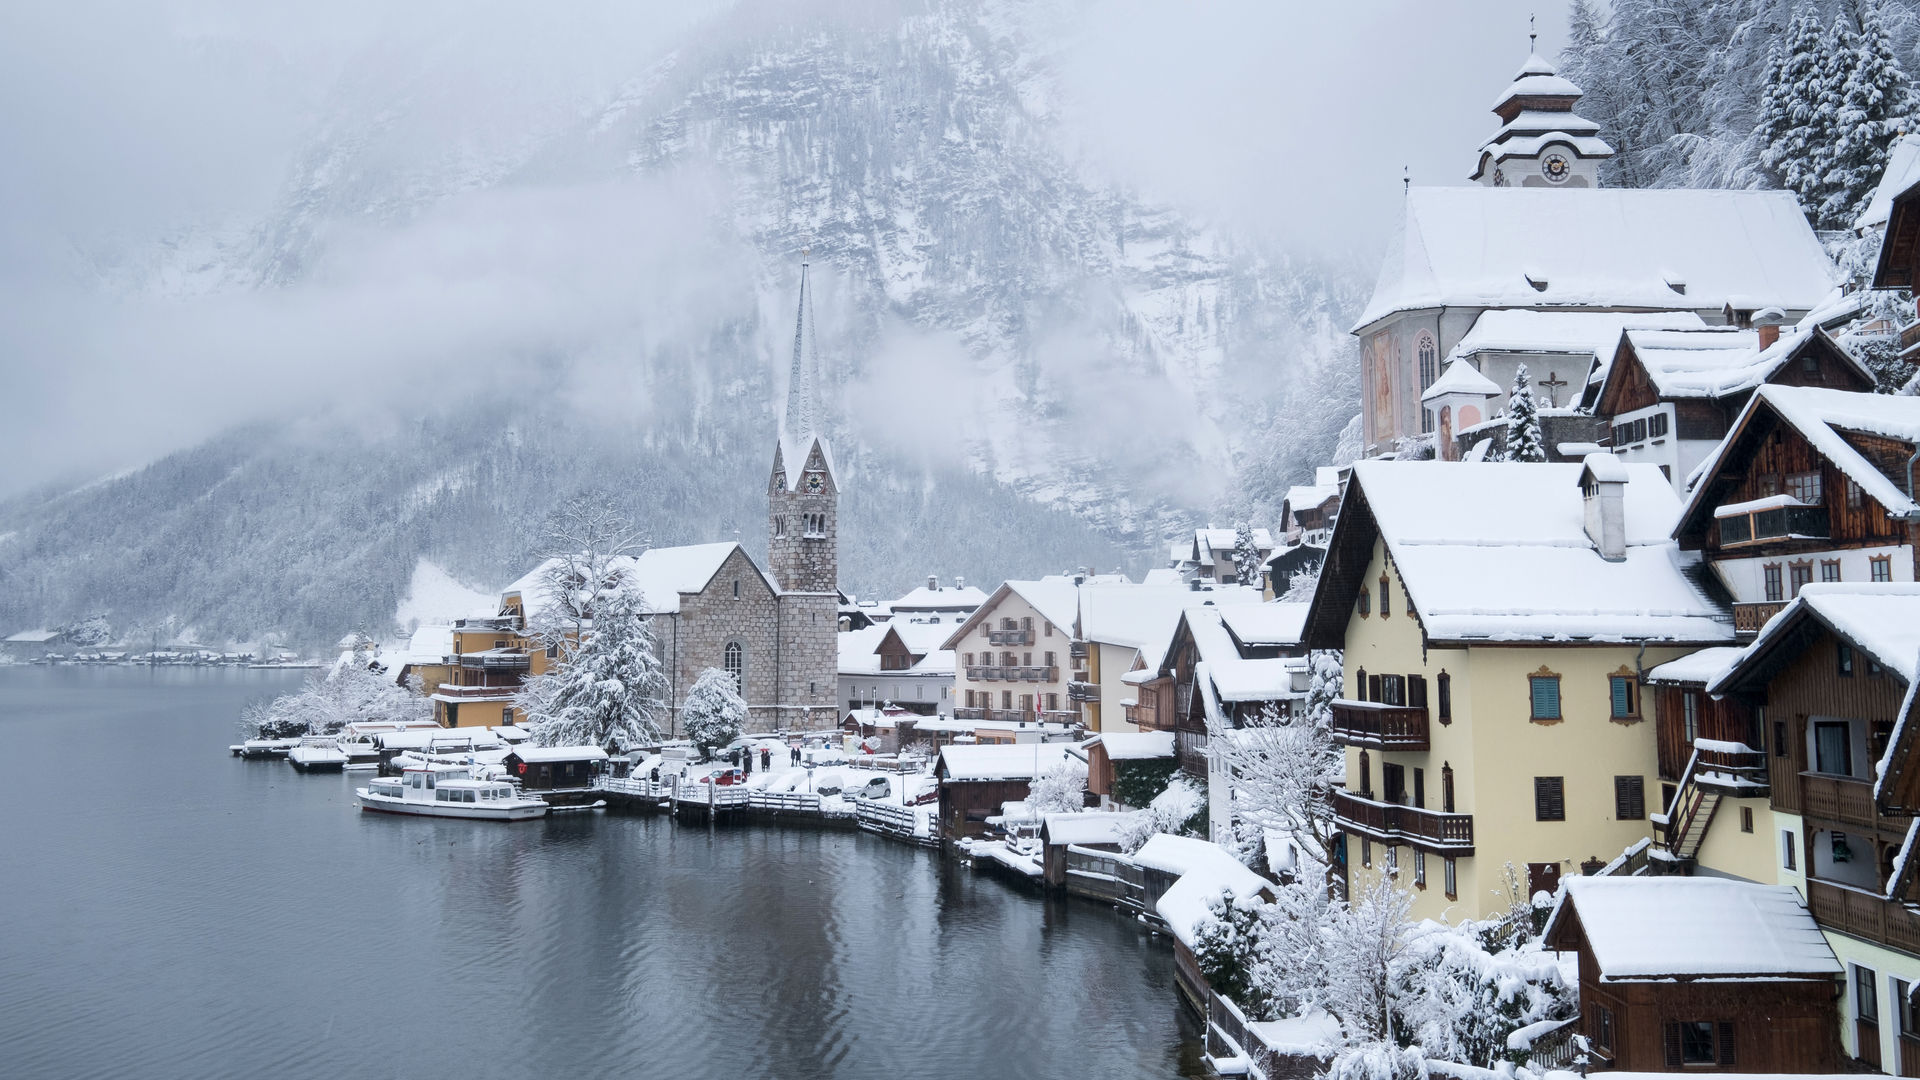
{"x": 606, "y": 690}
{"x": 1524, "y": 439}
{"x": 1874, "y": 99}
{"x": 716, "y": 714}
{"x": 1246, "y": 554}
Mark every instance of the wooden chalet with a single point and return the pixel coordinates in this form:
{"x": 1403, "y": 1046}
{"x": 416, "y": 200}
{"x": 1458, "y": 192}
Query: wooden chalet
{"x": 555, "y": 769}
{"x": 1830, "y": 676}
{"x": 977, "y": 780}
{"x": 1811, "y": 485}
{"x": 1111, "y": 755}
{"x": 1899, "y": 263}
{"x": 1699, "y": 974}
{"x": 1712, "y": 765}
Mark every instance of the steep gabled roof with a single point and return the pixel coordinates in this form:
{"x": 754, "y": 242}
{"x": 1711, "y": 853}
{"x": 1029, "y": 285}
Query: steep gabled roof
{"x": 1055, "y": 597}
{"x": 1622, "y": 248}
{"x": 1879, "y": 619}
{"x": 1901, "y": 173}
{"x": 1690, "y": 929}
{"x": 1498, "y": 551}
{"x": 1824, "y": 418}
{"x": 661, "y": 574}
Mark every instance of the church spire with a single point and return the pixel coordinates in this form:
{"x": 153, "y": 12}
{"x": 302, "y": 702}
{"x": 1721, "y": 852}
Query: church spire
{"x": 800, "y": 421}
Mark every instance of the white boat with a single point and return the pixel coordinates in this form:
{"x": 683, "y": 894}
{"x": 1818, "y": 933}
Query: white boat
{"x": 448, "y": 791}
{"x": 360, "y": 749}
{"x": 260, "y": 749}
{"x": 318, "y": 753}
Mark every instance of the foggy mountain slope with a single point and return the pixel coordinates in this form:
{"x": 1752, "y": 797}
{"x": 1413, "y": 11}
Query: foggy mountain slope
{"x": 1033, "y": 370}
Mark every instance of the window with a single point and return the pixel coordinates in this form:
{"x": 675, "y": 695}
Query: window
{"x": 1656, "y": 425}
{"x": 1374, "y": 688}
{"x": 1366, "y": 603}
{"x": 1699, "y": 1042}
{"x": 1360, "y": 684}
{"x": 1690, "y": 715}
{"x": 1832, "y": 748}
{"x": 736, "y": 589}
{"x": 1419, "y": 869}
{"x": 1805, "y": 487}
{"x": 1620, "y": 693}
{"x": 1602, "y": 1027}
{"x": 1366, "y": 775}
{"x": 1446, "y": 792}
{"x": 1549, "y": 798}
{"x": 1006, "y": 699}
{"x": 1788, "y": 861}
{"x": 1882, "y": 568}
{"x": 1429, "y": 355}
{"x": 1393, "y": 690}
{"x": 1450, "y": 882}
{"x": 1771, "y": 574}
{"x": 1366, "y": 852}
{"x": 736, "y": 663}
{"x": 506, "y": 716}
{"x": 1629, "y": 798}
{"x": 1906, "y": 1015}
{"x": 1420, "y": 787}
{"x": 1393, "y": 783}
{"x": 1417, "y": 691}
{"x": 1829, "y": 569}
{"x": 779, "y": 525}
{"x": 1866, "y": 995}
{"x": 1844, "y": 654}
{"x": 969, "y": 662}
{"x": 1386, "y": 598}
{"x": 1544, "y": 689}
{"x": 1050, "y": 660}
{"x": 1854, "y": 497}
{"x": 1746, "y": 819}
{"x": 1799, "y": 574}
{"x": 1780, "y": 738}
{"x": 1445, "y": 687}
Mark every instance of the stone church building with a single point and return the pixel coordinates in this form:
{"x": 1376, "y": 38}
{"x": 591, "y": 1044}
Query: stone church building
{"x": 713, "y": 606}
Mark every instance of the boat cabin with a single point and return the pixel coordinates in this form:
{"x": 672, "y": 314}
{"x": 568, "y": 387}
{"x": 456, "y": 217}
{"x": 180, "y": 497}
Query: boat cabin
{"x": 555, "y": 768}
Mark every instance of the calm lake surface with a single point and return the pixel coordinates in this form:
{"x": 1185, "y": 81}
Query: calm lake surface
{"x": 169, "y": 911}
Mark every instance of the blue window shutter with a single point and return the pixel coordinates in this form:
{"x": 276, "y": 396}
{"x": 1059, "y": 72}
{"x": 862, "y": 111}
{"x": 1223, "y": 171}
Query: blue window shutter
{"x": 1546, "y": 697}
{"x": 1622, "y": 703}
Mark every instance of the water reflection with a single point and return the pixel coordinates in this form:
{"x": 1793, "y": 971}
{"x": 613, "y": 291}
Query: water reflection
{"x": 174, "y": 912}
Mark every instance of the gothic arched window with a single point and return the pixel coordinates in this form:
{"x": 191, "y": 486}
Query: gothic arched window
{"x": 736, "y": 661}
{"x": 1429, "y": 354}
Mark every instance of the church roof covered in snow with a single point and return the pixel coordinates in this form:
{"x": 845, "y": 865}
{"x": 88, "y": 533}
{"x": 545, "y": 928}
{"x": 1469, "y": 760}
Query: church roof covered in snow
{"x": 940, "y": 598}
{"x": 1498, "y": 551}
{"x": 661, "y": 574}
{"x": 1690, "y": 928}
{"x": 1659, "y": 249}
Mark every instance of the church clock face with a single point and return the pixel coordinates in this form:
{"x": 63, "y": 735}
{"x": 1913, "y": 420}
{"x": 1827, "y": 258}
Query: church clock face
{"x": 816, "y": 483}
{"x": 1555, "y": 168}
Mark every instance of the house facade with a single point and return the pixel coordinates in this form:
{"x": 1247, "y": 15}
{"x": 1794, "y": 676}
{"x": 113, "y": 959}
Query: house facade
{"x": 1495, "y": 620}
{"x": 1012, "y": 653}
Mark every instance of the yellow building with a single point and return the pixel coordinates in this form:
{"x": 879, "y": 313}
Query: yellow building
{"x": 1495, "y": 620}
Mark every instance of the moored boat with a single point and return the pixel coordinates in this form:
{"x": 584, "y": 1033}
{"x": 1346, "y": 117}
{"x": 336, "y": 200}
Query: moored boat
{"x": 318, "y": 753}
{"x": 448, "y": 791}
{"x": 265, "y": 749}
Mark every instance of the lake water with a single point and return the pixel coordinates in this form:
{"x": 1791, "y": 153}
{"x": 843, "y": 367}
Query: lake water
{"x": 169, "y": 911}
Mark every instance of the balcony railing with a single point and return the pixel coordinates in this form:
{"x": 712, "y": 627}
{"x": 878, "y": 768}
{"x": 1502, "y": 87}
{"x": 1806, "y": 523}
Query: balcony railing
{"x": 1742, "y": 774}
{"x": 1773, "y": 523}
{"x": 1749, "y": 618}
{"x": 1015, "y": 716}
{"x": 1144, "y": 717}
{"x": 1077, "y": 650}
{"x": 478, "y": 693}
{"x": 1837, "y": 798}
{"x": 1862, "y": 914}
{"x": 983, "y": 673}
{"x": 1010, "y": 637}
{"x": 1909, "y": 335}
{"x": 1392, "y": 823}
{"x": 1082, "y": 691}
{"x": 493, "y": 660}
{"x": 1383, "y": 727}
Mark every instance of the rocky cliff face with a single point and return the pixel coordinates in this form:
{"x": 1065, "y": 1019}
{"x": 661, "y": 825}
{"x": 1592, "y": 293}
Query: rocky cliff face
{"x": 1031, "y": 369}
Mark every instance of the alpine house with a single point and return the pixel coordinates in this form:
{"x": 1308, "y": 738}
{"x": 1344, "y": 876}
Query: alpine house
{"x": 1495, "y": 621}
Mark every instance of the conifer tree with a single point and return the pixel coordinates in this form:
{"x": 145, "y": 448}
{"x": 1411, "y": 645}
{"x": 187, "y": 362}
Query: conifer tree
{"x": 716, "y": 714}
{"x": 608, "y": 688}
{"x": 1246, "y": 555}
{"x": 1524, "y": 440}
{"x": 1873, "y": 97}
{"x": 1795, "y": 118}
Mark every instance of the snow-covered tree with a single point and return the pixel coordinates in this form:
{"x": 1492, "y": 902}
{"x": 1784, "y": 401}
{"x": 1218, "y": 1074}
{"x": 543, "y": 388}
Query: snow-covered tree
{"x": 1177, "y": 810}
{"x": 1459, "y": 1000}
{"x": 1365, "y": 939}
{"x": 584, "y": 545}
{"x": 1874, "y": 97}
{"x": 716, "y": 714}
{"x": 1231, "y": 951}
{"x": 350, "y": 691}
{"x": 90, "y": 631}
{"x": 1060, "y": 790}
{"x": 1246, "y": 555}
{"x": 1283, "y": 769}
{"x": 1796, "y": 119}
{"x": 1300, "y": 585}
{"x": 606, "y": 688}
{"x": 1524, "y": 440}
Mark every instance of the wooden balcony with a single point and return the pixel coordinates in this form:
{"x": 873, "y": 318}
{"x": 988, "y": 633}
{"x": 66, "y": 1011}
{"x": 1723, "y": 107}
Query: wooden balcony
{"x": 1380, "y": 727}
{"x": 983, "y": 673}
{"x": 1015, "y": 716}
{"x": 1740, "y": 774}
{"x": 1749, "y": 618}
{"x": 1909, "y": 335}
{"x": 1841, "y": 799}
{"x": 1862, "y": 914}
{"x": 1077, "y": 650}
{"x": 1083, "y": 691}
{"x": 1391, "y": 823}
{"x": 1010, "y": 637}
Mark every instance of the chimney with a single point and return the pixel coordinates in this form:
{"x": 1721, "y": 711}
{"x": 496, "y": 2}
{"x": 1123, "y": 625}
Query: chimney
{"x": 1603, "y": 491}
{"x": 1768, "y": 323}
{"x": 933, "y": 583}
{"x": 959, "y": 582}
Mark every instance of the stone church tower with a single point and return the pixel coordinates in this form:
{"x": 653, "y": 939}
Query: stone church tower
{"x": 803, "y": 526}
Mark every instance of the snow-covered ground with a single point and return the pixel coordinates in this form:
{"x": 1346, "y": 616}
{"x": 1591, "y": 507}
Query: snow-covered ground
{"x": 433, "y": 596}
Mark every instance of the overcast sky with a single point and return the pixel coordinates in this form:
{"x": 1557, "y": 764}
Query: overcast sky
{"x": 133, "y": 125}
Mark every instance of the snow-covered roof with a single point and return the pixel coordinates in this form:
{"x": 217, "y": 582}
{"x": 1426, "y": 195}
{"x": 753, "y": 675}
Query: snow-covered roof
{"x": 662, "y": 575}
{"x": 1085, "y": 828}
{"x": 1598, "y": 247}
{"x": 1514, "y": 141}
{"x": 1594, "y": 334}
{"x": 1696, "y": 667}
{"x": 1209, "y": 545}
{"x": 1498, "y": 551}
{"x": 860, "y": 649}
{"x": 1206, "y": 870}
{"x": 1821, "y": 416}
{"x": 1315, "y": 495}
{"x": 1055, "y": 597}
{"x": 1144, "y": 616}
{"x": 1000, "y": 761}
{"x": 1901, "y": 173}
{"x": 1265, "y": 624}
{"x": 34, "y": 637}
{"x": 940, "y": 598}
{"x": 1715, "y": 362}
{"x": 1657, "y": 928}
{"x": 429, "y": 643}
{"x": 1134, "y": 745}
{"x": 559, "y": 753}
{"x": 1537, "y": 78}
{"x": 1880, "y": 618}
{"x": 1223, "y": 675}
{"x": 793, "y": 454}
{"x": 1461, "y": 377}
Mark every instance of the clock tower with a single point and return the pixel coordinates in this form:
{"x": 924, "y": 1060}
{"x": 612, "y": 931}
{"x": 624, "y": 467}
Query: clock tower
{"x": 1541, "y": 141}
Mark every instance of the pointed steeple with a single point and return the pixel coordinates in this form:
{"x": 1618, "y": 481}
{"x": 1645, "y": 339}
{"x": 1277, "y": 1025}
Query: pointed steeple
{"x": 1542, "y": 142}
{"x": 799, "y": 422}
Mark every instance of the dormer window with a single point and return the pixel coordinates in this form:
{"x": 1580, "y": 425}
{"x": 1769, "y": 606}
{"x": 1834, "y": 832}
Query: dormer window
{"x": 1776, "y": 517}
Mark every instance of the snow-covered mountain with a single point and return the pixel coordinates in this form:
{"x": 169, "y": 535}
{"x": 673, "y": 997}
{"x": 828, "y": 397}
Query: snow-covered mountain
{"x": 1033, "y": 368}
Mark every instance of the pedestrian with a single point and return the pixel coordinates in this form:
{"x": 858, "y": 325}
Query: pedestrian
{"x": 766, "y": 759}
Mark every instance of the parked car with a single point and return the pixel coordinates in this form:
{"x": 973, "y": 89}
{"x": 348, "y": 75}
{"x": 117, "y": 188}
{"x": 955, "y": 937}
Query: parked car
{"x": 724, "y": 777}
{"x": 829, "y": 784}
{"x": 877, "y": 788}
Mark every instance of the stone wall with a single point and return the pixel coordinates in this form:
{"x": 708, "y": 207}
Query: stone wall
{"x": 713, "y": 618}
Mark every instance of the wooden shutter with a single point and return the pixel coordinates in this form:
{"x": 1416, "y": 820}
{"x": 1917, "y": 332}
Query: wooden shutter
{"x": 1546, "y": 697}
{"x": 1549, "y": 798}
{"x": 1726, "y": 1043}
{"x": 1446, "y": 698}
{"x": 1417, "y": 691}
{"x": 1629, "y": 798}
{"x": 1373, "y": 688}
{"x": 1670, "y": 1036}
{"x": 1622, "y": 696}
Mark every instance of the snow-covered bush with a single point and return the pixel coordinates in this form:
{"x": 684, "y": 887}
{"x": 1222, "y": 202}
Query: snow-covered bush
{"x": 326, "y": 703}
{"x": 1137, "y": 783}
{"x": 1231, "y": 952}
{"x": 1246, "y": 555}
{"x": 1461, "y": 1001}
{"x": 716, "y": 714}
{"x": 1176, "y": 810}
{"x": 1378, "y": 1060}
{"x": 1060, "y": 790}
